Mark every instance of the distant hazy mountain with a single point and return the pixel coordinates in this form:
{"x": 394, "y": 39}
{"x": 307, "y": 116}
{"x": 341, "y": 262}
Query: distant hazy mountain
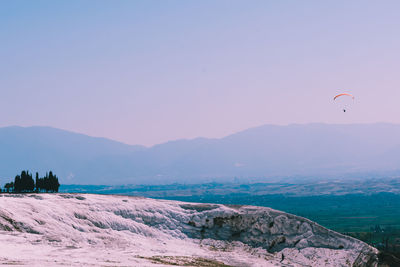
{"x": 302, "y": 150}
{"x": 70, "y": 155}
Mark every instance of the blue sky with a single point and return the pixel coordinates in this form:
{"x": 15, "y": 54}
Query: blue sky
{"x": 144, "y": 72}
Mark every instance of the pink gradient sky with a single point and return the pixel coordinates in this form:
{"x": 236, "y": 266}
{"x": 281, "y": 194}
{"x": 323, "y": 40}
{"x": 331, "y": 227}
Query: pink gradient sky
{"x": 145, "y": 72}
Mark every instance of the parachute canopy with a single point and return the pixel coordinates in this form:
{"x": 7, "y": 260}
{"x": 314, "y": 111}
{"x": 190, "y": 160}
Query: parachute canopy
{"x": 339, "y": 95}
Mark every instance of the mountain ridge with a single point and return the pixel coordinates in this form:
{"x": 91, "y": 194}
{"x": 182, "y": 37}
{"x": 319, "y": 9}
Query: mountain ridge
{"x": 263, "y": 152}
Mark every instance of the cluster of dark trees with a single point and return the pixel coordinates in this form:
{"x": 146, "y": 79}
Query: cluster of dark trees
{"x": 25, "y": 183}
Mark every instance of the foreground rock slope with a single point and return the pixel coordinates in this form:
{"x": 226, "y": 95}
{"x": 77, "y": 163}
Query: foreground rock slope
{"x": 105, "y": 230}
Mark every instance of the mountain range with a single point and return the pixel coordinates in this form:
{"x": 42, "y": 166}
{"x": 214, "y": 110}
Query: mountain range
{"x": 262, "y": 153}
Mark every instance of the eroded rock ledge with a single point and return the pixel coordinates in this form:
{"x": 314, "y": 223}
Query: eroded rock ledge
{"x": 219, "y": 232}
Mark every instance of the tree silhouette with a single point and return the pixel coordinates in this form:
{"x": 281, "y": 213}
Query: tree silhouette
{"x": 25, "y": 183}
{"x": 9, "y": 187}
{"x": 36, "y": 182}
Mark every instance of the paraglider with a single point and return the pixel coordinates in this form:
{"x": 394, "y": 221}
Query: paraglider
{"x": 344, "y": 99}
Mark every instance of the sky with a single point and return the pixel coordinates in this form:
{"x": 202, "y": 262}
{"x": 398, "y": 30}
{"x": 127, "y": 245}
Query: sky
{"x": 145, "y": 72}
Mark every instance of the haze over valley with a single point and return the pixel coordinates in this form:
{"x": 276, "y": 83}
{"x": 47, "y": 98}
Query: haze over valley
{"x": 261, "y": 154}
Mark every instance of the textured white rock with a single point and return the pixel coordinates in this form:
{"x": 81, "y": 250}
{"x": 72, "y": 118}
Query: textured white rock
{"x": 85, "y": 229}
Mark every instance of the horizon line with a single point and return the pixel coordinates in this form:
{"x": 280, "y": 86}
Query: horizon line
{"x": 195, "y": 138}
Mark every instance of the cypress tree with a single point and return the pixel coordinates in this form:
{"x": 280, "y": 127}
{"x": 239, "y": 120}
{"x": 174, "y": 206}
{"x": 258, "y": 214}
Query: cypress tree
{"x": 31, "y": 183}
{"x": 36, "y": 182}
{"x": 17, "y": 184}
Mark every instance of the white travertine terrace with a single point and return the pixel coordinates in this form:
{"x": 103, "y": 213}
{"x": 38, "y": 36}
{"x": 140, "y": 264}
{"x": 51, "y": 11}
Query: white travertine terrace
{"x": 109, "y": 230}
